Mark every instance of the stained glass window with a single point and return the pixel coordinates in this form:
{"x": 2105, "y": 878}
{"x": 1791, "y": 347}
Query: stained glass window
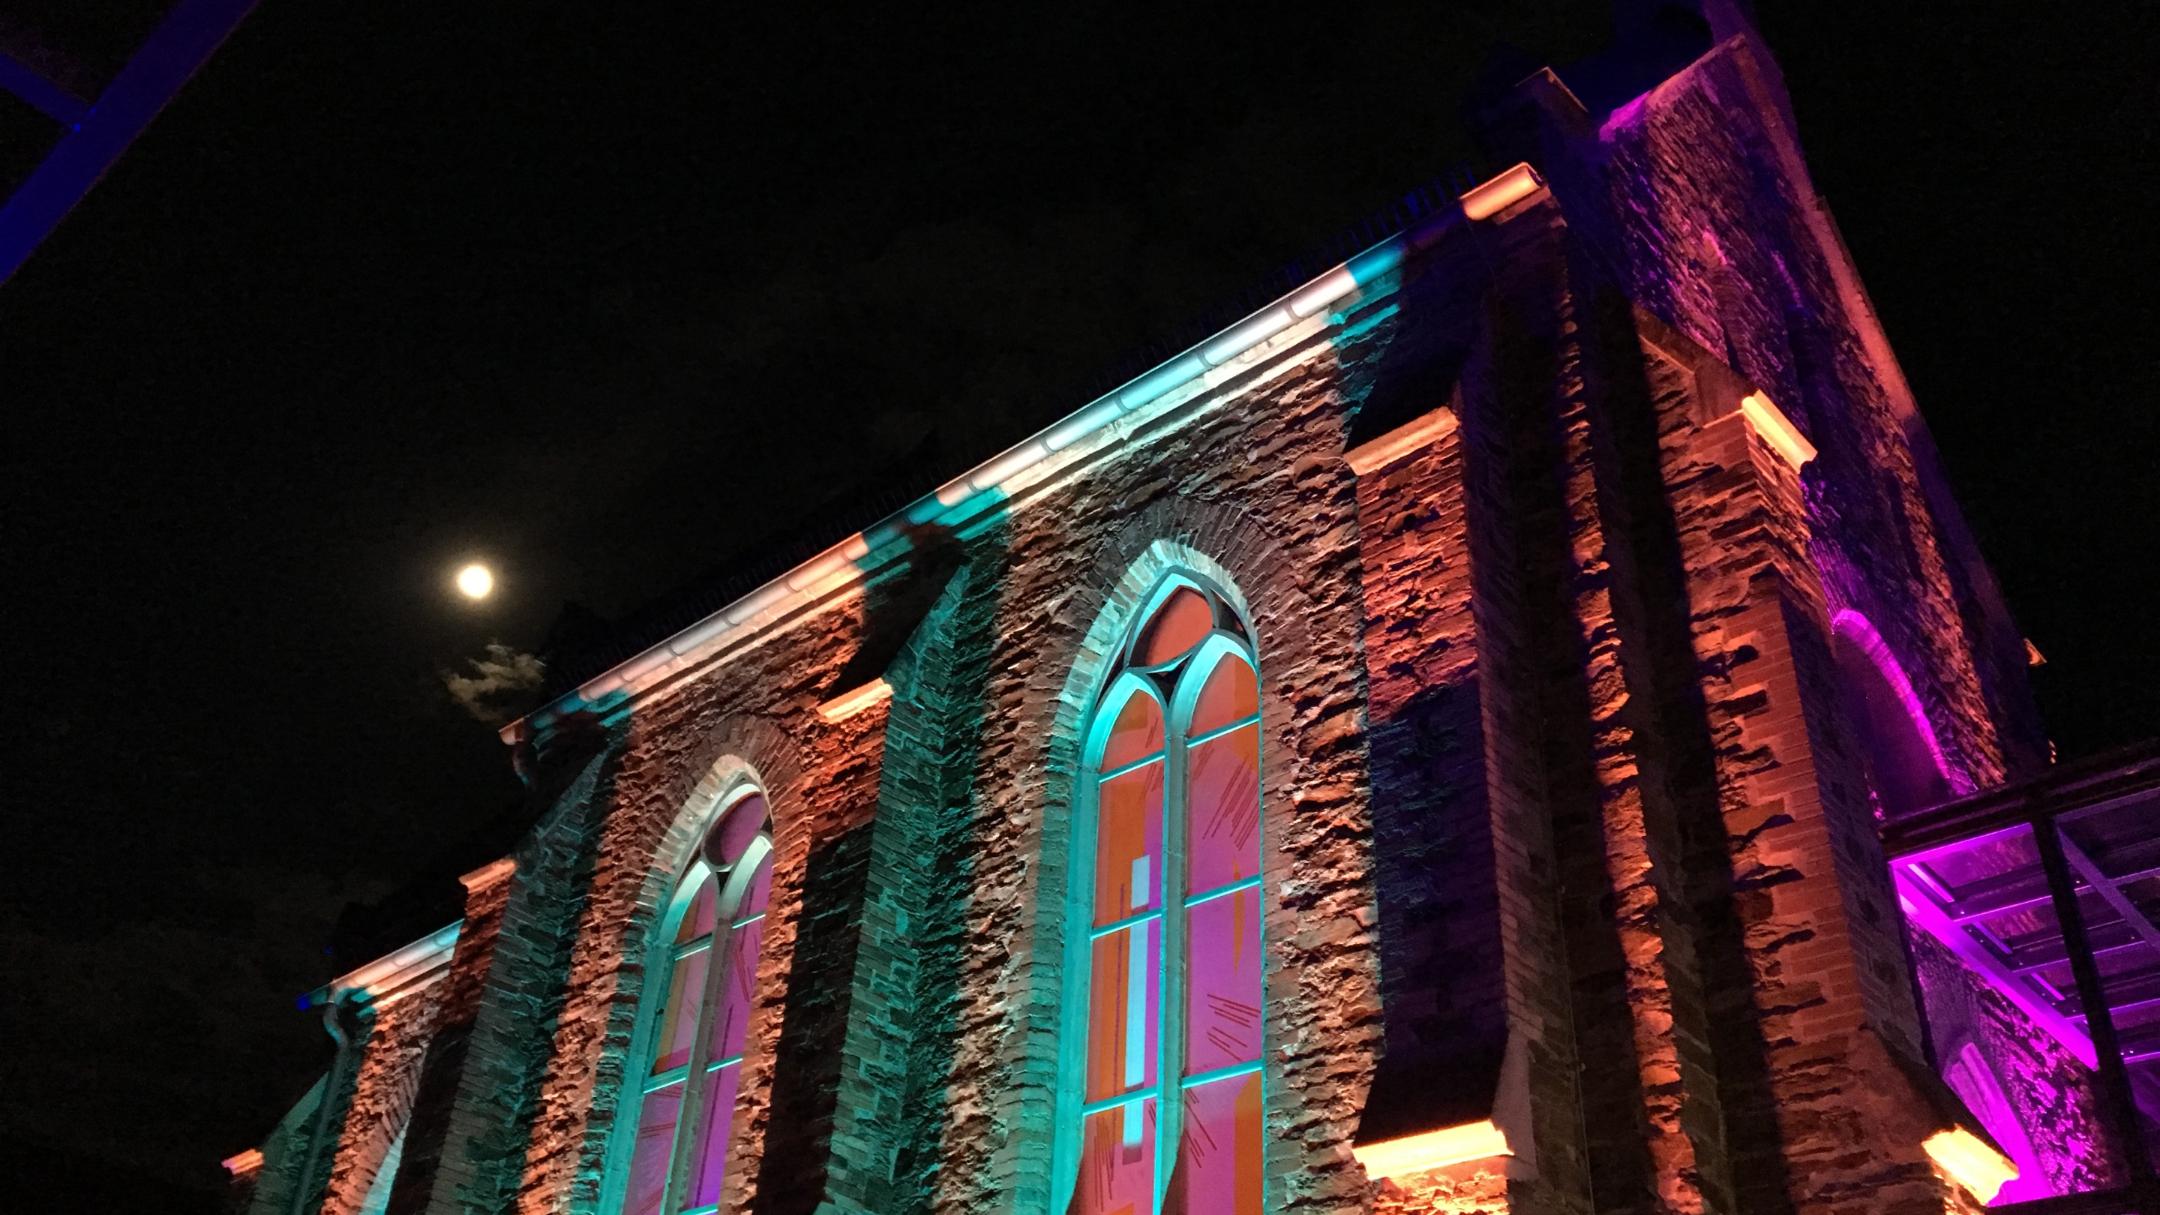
{"x": 697, "y": 1018}
{"x": 1169, "y": 1086}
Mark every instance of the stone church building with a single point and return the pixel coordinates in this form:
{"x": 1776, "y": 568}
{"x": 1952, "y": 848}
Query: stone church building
{"x": 1517, "y": 724}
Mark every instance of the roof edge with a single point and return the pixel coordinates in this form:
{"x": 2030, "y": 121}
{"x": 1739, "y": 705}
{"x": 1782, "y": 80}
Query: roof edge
{"x": 394, "y": 975}
{"x": 968, "y": 494}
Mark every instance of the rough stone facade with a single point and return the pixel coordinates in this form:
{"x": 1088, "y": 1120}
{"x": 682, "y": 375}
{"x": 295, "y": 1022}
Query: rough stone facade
{"x": 1568, "y": 817}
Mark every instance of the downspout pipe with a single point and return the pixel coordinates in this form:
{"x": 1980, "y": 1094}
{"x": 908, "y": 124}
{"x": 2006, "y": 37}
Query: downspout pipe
{"x": 347, "y": 1034}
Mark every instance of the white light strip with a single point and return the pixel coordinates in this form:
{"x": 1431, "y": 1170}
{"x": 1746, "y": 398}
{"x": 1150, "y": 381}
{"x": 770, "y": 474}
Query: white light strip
{"x": 1315, "y": 299}
{"x": 968, "y": 494}
{"x": 1401, "y": 443}
{"x": 1777, "y": 430}
{"x": 1430, "y": 1150}
{"x": 397, "y": 973}
{"x": 847, "y": 704}
{"x": 1247, "y": 336}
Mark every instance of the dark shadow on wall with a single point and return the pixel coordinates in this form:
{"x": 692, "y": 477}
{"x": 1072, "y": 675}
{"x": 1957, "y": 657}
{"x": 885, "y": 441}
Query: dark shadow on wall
{"x": 1441, "y": 983}
{"x": 1527, "y": 580}
{"x": 813, "y": 1027}
{"x": 417, "y": 1168}
{"x": 1738, "y": 1142}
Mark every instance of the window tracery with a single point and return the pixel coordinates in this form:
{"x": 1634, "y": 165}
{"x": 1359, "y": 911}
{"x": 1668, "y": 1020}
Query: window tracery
{"x": 689, "y": 1075}
{"x": 1169, "y": 841}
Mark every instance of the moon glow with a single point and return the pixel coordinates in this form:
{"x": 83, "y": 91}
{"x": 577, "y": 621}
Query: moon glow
{"x": 475, "y": 582}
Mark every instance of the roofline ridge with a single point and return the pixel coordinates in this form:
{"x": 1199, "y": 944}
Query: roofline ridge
{"x": 835, "y": 567}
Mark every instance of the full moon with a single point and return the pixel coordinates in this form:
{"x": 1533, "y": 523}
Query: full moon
{"x": 475, "y": 582}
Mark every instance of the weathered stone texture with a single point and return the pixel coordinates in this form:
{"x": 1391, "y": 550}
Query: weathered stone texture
{"x": 1475, "y": 1188}
{"x": 1560, "y": 796}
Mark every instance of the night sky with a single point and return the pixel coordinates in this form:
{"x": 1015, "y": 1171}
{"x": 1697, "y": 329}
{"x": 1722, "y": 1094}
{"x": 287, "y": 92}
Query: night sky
{"x": 395, "y": 284}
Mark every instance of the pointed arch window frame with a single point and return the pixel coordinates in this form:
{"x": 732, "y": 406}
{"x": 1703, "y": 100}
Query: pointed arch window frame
{"x": 691, "y": 1138}
{"x": 1192, "y": 669}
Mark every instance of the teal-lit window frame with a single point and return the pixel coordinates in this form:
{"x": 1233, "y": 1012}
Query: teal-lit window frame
{"x": 1123, "y": 675}
{"x": 661, "y": 956}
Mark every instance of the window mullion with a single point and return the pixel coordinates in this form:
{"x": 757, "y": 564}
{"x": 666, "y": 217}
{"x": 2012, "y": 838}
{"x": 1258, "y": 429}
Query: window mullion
{"x": 1170, "y": 1102}
{"x": 688, "y": 1128}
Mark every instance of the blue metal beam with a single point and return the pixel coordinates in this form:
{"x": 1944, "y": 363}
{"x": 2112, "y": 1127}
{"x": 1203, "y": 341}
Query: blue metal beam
{"x": 98, "y": 136}
{"x": 51, "y": 100}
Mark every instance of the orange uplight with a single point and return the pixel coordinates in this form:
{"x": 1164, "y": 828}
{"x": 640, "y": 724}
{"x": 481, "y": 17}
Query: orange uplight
{"x": 1970, "y": 1162}
{"x": 1429, "y": 1150}
{"x": 1491, "y": 198}
{"x": 244, "y": 1163}
{"x": 1777, "y": 430}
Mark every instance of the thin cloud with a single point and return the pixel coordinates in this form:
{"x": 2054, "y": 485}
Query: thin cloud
{"x": 496, "y": 683}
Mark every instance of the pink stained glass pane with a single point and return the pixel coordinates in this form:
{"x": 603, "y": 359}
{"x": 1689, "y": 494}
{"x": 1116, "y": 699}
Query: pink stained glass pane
{"x": 738, "y": 988}
{"x": 1183, "y": 621}
{"x": 1117, "y": 1161}
{"x": 657, "y": 1116}
{"x": 1218, "y": 1169}
{"x": 1222, "y": 815}
{"x": 715, "y": 1134}
{"x": 1136, "y": 734}
{"x": 1128, "y": 844}
{"x": 759, "y": 892}
{"x": 697, "y": 922}
{"x": 1222, "y": 967}
{"x": 1124, "y": 1007}
{"x": 677, "y": 1030}
{"x": 741, "y": 824}
{"x": 1230, "y": 694}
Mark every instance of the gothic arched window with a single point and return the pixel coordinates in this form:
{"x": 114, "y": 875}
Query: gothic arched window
{"x": 694, "y": 1016}
{"x": 1164, "y": 1079}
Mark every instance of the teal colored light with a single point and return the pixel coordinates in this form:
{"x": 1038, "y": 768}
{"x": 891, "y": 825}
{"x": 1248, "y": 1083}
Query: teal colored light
{"x": 1369, "y": 266}
{"x": 977, "y": 502}
{"x": 1162, "y": 381}
{"x": 1070, "y": 1108}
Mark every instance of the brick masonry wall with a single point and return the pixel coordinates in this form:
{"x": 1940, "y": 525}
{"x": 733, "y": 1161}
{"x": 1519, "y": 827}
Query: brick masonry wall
{"x": 1694, "y": 202}
{"x": 1554, "y": 766}
{"x": 392, "y": 1054}
{"x": 2045, "y": 1085}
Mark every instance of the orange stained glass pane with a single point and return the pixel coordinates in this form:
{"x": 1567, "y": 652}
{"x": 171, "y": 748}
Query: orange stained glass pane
{"x": 1129, "y": 844}
{"x": 1183, "y": 621}
{"x": 1230, "y": 694}
{"x": 1124, "y": 1008}
{"x": 698, "y": 920}
{"x": 1136, "y": 734}
{"x": 678, "y": 1023}
{"x": 1218, "y": 1169}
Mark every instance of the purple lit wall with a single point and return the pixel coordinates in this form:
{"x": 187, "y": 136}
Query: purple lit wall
{"x": 2042, "y": 1083}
